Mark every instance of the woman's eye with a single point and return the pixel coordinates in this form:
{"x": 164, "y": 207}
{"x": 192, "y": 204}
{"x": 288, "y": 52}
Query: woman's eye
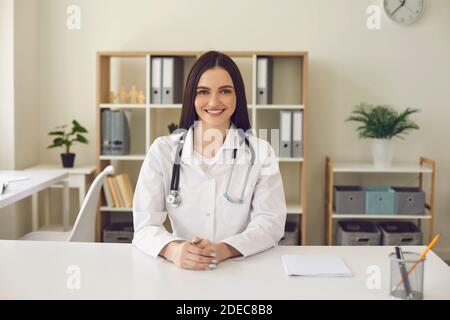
{"x": 226, "y": 91}
{"x": 202, "y": 92}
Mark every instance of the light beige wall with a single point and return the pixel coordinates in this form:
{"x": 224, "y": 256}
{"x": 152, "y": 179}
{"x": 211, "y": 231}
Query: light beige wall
{"x": 7, "y": 215}
{"x": 26, "y": 104}
{"x": 403, "y": 66}
{"x": 7, "y": 84}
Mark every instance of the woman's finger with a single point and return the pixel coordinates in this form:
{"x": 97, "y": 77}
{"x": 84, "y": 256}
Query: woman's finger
{"x": 192, "y": 265}
{"x": 207, "y": 252}
{"x": 201, "y": 259}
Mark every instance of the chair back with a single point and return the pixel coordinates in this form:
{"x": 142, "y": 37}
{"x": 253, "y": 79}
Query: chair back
{"x": 84, "y": 227}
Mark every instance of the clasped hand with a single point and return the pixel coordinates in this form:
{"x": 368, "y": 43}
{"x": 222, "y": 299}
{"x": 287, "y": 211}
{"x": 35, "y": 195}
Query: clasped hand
{"x": 199, "y": 254}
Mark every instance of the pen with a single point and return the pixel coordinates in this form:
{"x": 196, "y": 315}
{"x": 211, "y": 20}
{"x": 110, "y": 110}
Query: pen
{"x": 404, "y": 274}
{"x": 422, "y": 256}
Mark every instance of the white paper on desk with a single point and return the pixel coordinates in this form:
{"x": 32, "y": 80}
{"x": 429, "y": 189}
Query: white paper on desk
{"x": 314, "y": 266}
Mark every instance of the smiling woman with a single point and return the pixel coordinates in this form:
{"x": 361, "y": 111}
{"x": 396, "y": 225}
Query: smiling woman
{"x": 224, "y": 205}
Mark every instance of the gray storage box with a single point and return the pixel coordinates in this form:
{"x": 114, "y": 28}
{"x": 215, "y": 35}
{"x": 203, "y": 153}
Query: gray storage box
{"x": 358, "y": 233}
{"x": 399, "y": 233}
{"x": 409, "y": 200}
{"x": 348, "y": 200}
{"x": 118, "y": 233}
{"x": 291, "y": 231}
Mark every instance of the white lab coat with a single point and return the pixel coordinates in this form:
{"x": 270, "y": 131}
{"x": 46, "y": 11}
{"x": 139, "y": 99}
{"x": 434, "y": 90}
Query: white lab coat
{"x": 251, "y": 227}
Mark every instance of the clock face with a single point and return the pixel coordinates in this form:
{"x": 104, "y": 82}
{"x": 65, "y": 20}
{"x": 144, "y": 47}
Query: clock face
{"x": 404, "y": 11}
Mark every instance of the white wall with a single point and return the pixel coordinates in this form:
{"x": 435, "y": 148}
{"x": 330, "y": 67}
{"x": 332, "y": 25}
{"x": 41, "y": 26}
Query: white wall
{"x": 402, "y": 66}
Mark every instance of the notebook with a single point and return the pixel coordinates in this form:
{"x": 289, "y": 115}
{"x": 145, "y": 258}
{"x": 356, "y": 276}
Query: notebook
{"x": 314, "y": 266}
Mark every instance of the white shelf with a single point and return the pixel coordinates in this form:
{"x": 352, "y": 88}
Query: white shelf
{"x": 279, "y": 106}
{"x": 165, "y": 106}
{"x": 380, "y": 216}
{"x": 122, "y": 106}
{"x": 135, "y": 157}
{"x": 290, "y": 159}
{"x": 294, "y": 208}
{"x": 114, "y": 209}
{"x": 369, "y": 168}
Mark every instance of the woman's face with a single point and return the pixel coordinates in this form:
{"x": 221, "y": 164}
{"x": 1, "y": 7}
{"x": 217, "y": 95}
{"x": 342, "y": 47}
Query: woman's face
{"x": 215, "y": 99}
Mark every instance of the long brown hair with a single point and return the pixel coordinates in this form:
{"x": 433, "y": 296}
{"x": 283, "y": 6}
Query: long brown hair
{"x": 207, "y": 61}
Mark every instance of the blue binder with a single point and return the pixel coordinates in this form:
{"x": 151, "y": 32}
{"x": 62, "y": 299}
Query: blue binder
{"x": 120, "y": 133}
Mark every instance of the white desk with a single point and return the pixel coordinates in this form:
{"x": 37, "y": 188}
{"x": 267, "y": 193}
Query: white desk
{"x": 77, "y": 178}
{"x": 38, "y": 270}
{"x": 38, "y": 180}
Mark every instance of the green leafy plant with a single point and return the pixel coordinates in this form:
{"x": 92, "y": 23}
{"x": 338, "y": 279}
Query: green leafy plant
{"x": 66, "y": 139}
{"x": 382, "y": 122}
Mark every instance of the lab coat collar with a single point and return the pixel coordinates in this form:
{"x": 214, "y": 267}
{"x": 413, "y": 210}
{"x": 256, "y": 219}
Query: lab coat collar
{"x": 232, "y": 141}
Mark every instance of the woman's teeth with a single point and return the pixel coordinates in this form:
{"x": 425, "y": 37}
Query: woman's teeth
{"x": 215, "y": 112}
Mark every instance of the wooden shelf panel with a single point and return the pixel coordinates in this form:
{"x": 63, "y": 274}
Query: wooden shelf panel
{"x": 380, "y": 216}
{"x": 122, "y": 106}
{"x": 294, "y": 208}
{"x": 290, "y": 159}
{"x": 369, "y": 168}
{"x": 166, "y": 106}
{"x": 114, "y": 209}
{"x": 280, "y": 106}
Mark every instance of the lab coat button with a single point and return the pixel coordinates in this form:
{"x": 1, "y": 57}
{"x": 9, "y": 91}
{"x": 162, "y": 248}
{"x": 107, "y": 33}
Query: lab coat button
{"x": 208, "y": 214}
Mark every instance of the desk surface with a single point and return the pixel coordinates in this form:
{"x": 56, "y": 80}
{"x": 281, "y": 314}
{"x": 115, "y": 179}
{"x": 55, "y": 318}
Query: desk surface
{"x": 41, "y": 270}
{"x": 85, "y": 170}
{"x": 38, "y": 180}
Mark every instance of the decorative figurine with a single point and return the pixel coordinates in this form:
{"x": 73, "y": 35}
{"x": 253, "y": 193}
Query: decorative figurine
{"x": 123, "y": 95}
{"x": 141, "y": 97}
{"x": 133, "y": 95}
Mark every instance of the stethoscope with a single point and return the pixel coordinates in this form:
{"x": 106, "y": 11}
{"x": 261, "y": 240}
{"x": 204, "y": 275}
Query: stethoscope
{"x": 174, "y": 199}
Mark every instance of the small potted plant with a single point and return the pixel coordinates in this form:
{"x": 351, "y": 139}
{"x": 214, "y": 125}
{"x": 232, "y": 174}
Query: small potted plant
{"x": 66, "y": 139}
{"x": 381, "y": 124}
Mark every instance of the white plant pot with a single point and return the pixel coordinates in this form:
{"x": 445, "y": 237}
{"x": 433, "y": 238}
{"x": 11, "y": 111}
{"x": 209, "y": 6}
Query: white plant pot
{"x": 382, "y": 152}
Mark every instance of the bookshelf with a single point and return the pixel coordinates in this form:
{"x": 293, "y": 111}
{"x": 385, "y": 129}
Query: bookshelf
{"x": 289, "y": 78}
{"x": 425, "y": 167}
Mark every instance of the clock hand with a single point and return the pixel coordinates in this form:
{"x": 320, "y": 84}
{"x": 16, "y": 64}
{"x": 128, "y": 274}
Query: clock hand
{"x": 409, "y": 9}
{"x": 401, "y": 5}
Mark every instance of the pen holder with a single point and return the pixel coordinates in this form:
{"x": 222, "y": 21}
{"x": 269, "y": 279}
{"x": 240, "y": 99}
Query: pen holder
{"x": 409, "y": 283}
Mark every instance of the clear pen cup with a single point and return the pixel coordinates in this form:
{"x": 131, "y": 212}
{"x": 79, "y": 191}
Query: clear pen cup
{"x": 413, "y": 271}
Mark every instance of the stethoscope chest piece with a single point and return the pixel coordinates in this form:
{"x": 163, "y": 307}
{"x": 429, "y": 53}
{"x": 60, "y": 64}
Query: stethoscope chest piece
{"x": 173, "y": 199}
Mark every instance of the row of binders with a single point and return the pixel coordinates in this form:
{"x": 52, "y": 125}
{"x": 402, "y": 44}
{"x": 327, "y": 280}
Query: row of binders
{"x": 118, "y": 191}
{"x": 291, "y": 133}
{"x": 115, "y": 132}
{"x": 166, "y": 80}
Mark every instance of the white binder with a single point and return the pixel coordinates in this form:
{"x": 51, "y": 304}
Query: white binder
{"x": 264, "y": 80}
{"x": 297, "y": 134}
{"x": 172, "y": 78}
{"x": 156, "y": 97}
{"x": 285, "y": 134}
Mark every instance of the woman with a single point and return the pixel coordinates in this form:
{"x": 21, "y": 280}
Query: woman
{"x": 225, "y": 197}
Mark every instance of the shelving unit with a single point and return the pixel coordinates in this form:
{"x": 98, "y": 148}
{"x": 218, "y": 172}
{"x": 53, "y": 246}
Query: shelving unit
{"x": 290, "y": 77}
{"x": 426, "y": 166}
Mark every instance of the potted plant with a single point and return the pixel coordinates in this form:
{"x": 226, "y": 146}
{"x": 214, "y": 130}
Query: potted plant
{"x": 66, "y": 139}
{"x": 381, "y": 124}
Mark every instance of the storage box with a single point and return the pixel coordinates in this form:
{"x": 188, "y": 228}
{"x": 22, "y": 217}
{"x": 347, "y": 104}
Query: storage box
{"x": 358, "y": 233}
{"x": 348, "y": 200}
{"x": 118, "y": 233}
{"x": 399, "y": 233}
{"x": 291, "y": 231}
{"x": 380, "y": 200}
{"x": 409, "y": 200}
